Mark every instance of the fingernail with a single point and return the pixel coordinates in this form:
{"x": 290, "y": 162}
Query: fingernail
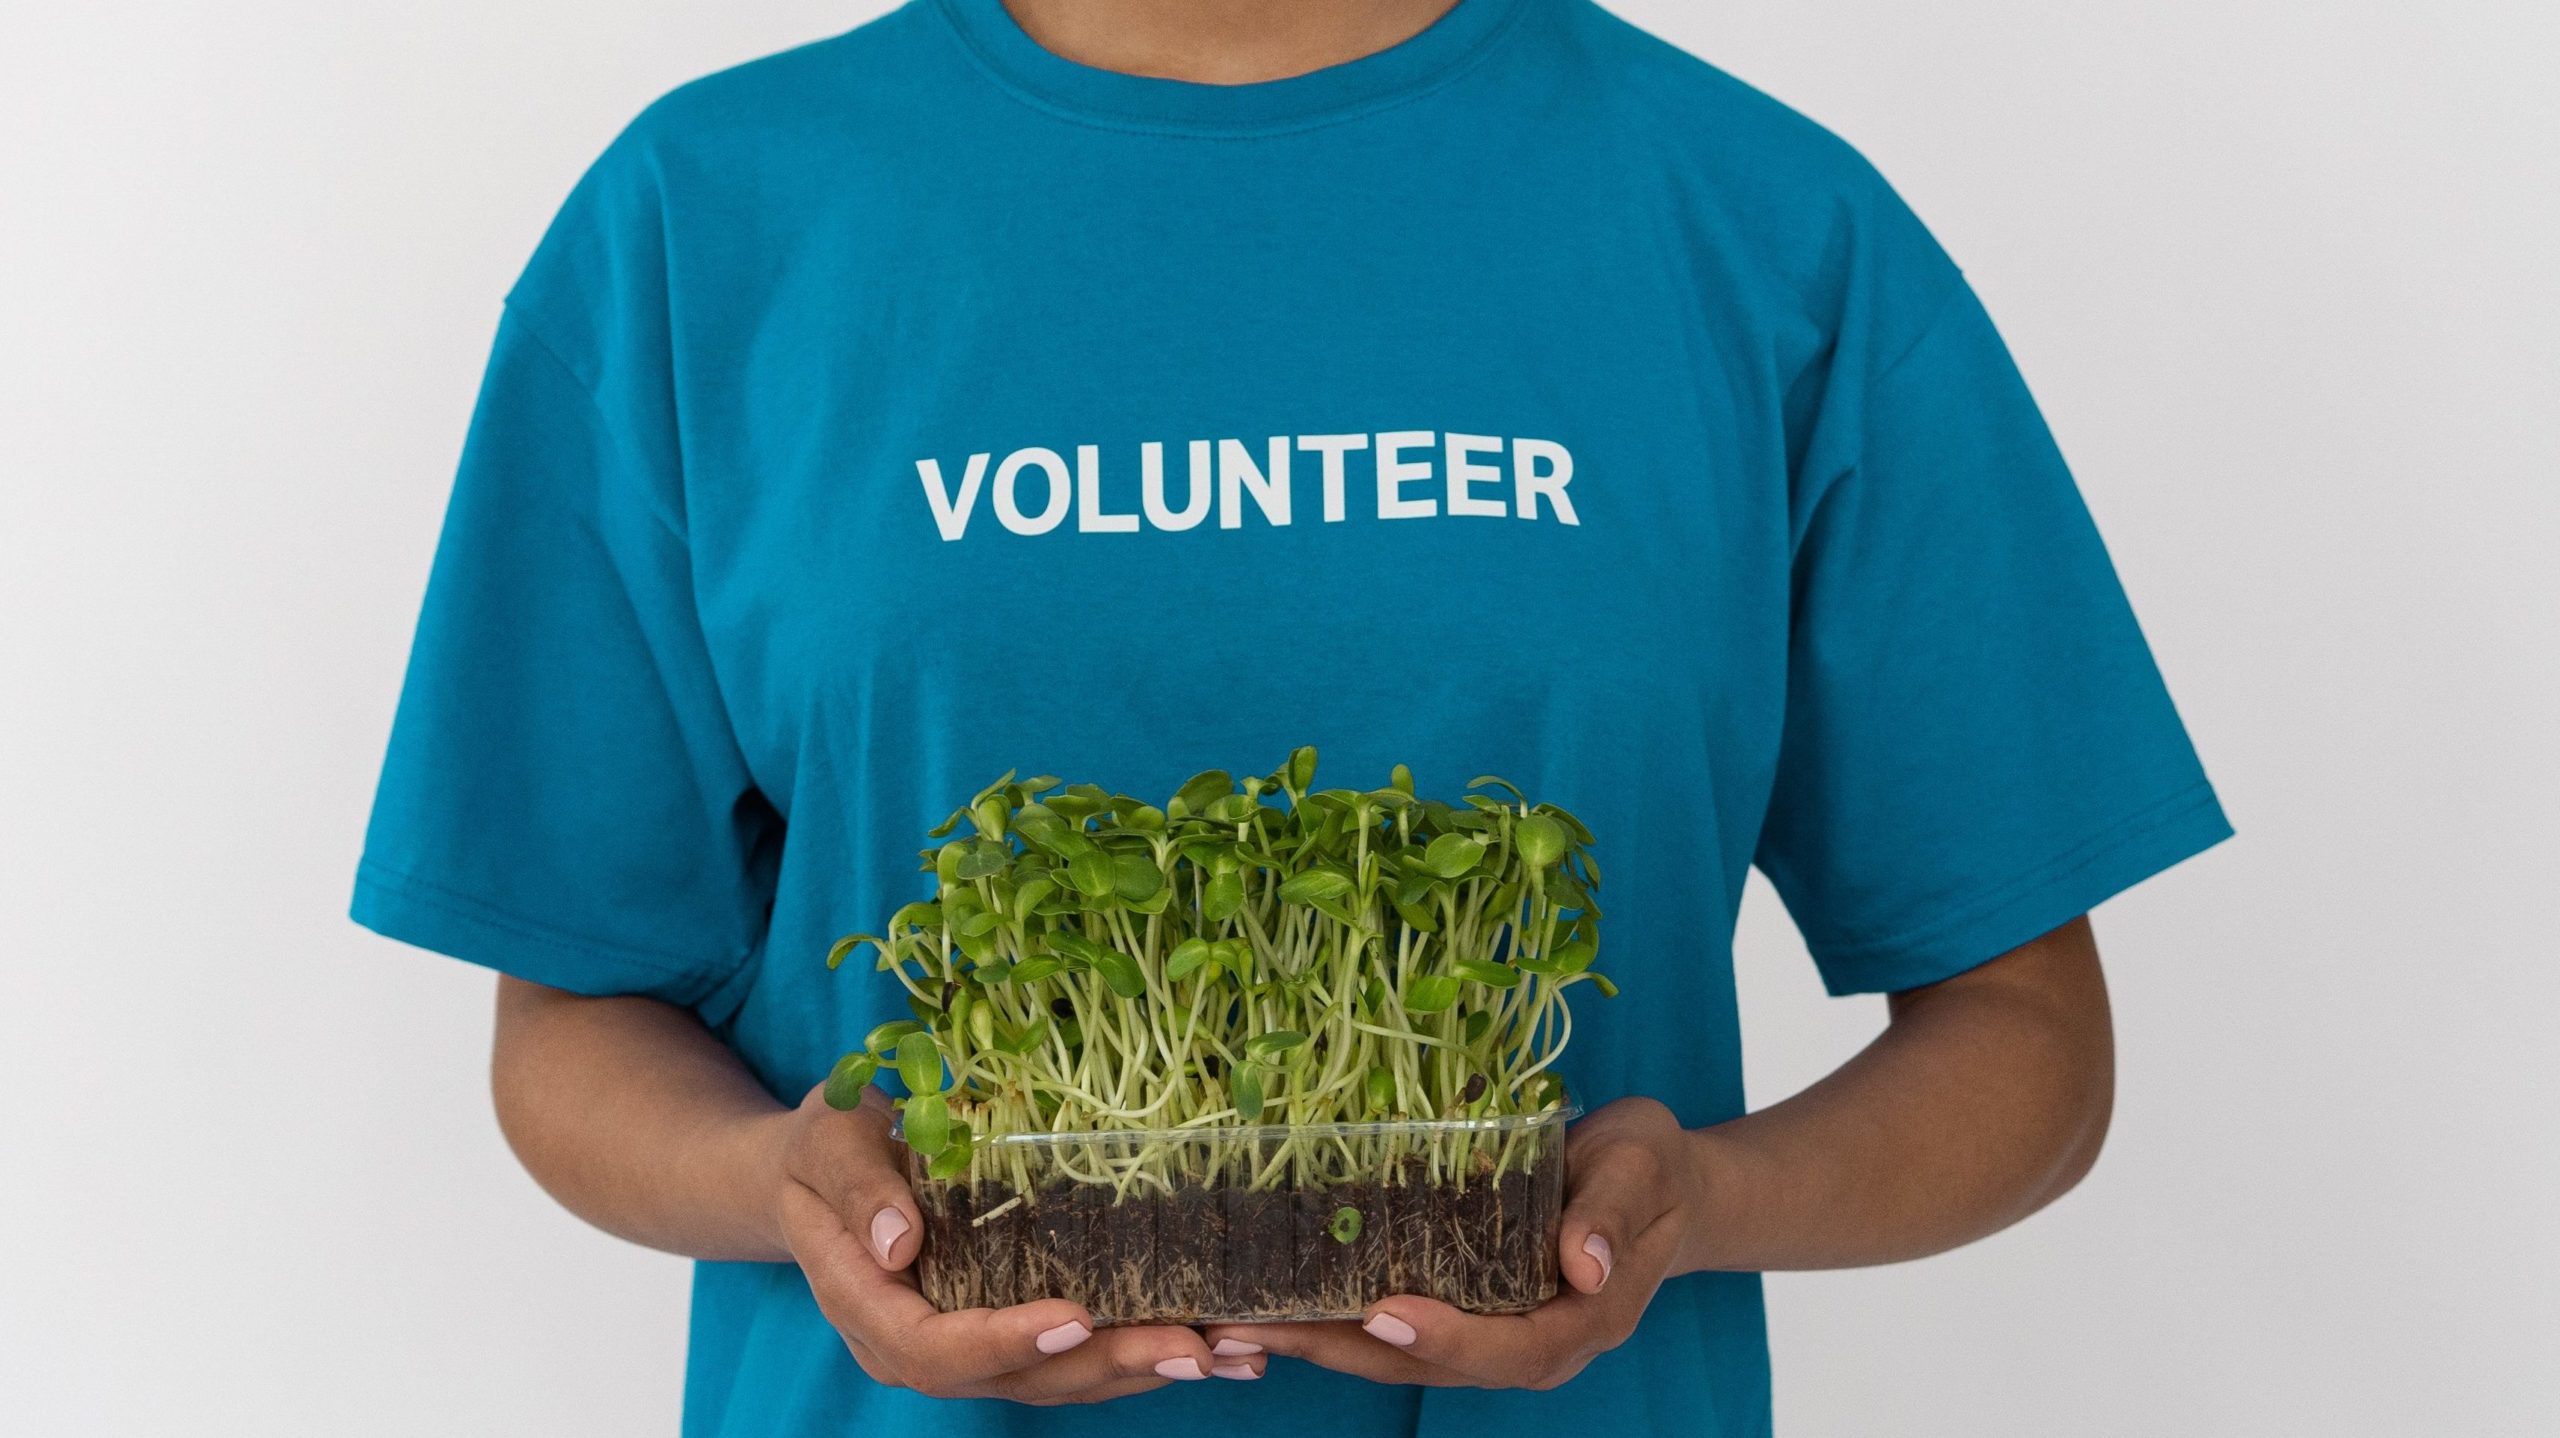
{"x": 1241, "y": 1371}
{"x": 1234, "y": 1348}
{"x": 1598, "y": 1248}
{"x": 887, "y": 1227}
{"x": 1185, "y": 1369}
{"x": 1387, "y": 1328}
{"x": 1063, "y": 1337}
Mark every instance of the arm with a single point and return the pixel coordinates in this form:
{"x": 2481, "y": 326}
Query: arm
{"x": 638, "y": 1120}
{"x": 1986, "y": 1098}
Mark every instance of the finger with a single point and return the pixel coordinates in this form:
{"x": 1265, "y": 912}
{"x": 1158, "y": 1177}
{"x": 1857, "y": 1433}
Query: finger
{"x": 1537, "y": 1349}
{"x": 851, "y": 1161}
{"x": 886, "y": 1320}
{"x": 1118, "y": 1361}
{"x": 1342, "y": 1347}
{"x": 1621, "y": 1185}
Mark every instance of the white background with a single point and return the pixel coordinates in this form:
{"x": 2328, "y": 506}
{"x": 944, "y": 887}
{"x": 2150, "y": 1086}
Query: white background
{"x": 2282, "y": 272}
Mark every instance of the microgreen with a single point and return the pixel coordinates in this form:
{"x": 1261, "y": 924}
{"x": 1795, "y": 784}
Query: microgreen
{"x": 1250, "y": 951}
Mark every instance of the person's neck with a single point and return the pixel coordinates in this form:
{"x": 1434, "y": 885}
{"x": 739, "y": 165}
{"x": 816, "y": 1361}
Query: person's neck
{"x": 1222, "y": 42}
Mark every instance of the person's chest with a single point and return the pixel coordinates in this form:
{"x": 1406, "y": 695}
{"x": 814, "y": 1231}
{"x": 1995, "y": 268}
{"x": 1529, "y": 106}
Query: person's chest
{"x": 1159, "y": 454}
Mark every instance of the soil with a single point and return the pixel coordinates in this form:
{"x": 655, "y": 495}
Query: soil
{"x": 1202, "y": 1254}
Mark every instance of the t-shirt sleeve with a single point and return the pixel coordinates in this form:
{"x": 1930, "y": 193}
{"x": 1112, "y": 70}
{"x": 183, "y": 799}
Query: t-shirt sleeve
{"x": 1977, "y": 747}
{"x": 564, "y": 798}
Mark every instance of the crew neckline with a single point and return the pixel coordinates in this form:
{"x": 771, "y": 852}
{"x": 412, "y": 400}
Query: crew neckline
{"x": 1438, "y": 53}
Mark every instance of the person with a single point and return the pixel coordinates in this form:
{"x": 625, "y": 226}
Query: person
{"x": 1127, "y": 388}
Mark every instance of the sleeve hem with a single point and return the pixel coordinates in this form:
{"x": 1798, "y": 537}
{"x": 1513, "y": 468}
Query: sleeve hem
{"x": 429, "y": 916}
{"x": 1991, "y": 924}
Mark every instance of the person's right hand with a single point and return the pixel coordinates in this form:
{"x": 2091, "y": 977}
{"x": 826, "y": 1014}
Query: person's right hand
{"x": 848, "y": 1217}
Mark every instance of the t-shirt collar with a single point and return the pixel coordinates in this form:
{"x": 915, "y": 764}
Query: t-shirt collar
{"x": 1441, "y": 52}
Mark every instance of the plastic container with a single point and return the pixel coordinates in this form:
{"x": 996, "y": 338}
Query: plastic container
{"x": 1263, "y": 1223}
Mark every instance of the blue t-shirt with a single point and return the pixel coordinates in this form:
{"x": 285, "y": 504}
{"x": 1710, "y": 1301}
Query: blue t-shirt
{"x": 1529, "y": 398}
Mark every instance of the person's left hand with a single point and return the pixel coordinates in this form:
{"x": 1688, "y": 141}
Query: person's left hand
{"x": 1635, "y": 1188}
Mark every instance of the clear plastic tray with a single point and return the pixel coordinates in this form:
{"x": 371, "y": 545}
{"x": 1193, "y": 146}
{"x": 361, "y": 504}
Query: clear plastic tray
{"x": 1260, "y": 1223}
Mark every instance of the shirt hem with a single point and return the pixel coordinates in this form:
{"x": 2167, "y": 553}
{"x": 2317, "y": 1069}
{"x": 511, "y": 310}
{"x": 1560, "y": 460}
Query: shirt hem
{"x": 2013, "y": 913}
{"x": 457, "y": 925}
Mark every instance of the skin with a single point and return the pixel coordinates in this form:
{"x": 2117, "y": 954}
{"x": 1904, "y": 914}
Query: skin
{"x": 1986, "y": 1097}
{"x": 1221, "y": 42}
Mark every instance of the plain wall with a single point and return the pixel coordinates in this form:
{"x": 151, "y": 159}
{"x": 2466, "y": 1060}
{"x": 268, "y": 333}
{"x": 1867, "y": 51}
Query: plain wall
{"x": 2281, "y": 271}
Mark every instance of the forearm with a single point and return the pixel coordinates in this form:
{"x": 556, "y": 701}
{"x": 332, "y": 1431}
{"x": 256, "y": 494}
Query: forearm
{"x": 636, "y": 1119}
{"x": 1986, "y": 1098}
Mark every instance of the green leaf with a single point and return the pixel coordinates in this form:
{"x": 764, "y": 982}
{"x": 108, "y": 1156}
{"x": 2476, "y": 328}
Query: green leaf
{"x": 984, "y": 858}
{"x": 1078, "y": 950}
{"x": 1336, "y": 907}
{"x": 1429, "y": 993}
{"x": 1475, "y": 1026}
{"x": 1188, "y": 955}
{"x": 846, "y": 945}
{"x": 848, "y": 1078}
{"x": 1093, "y": 873}
{"x": 1417, "y": 918}
{"x": 1223, "y": 898}
{"x": 979, "y": 923}
{"x": 1491, "y": 975}
{"x": 1145, "y": 818}
{"x": 1120, "y": 972}
{"x": 1273, "y": 1044}
{"x": 920, "y": 1063}
{"x": 1482, "y": 781}
{"x": 1401, "y": 779}
{"x": 1027, "y": 897}
{"x": 982, "y": 1025}
{"x": 1607, "y": 989}
{"x": 1346, "y": 1224}
{"x": 1302, "y": 768}
{"x": 1452, "y": 854}
{"x": 1201, "y": 790}
{"x": 1581, "y": 831}
{"x": 947, "y": 860}
{"x": 1316, "y": 884}
{"x": 1135, "y": 877}
{"x": 1574, "y": 957}
{"x": 1234, "y": 809}
{"x": 1028, "y": 1037}
{"x": 953, "y": 1161}
{"x": 927, "y": 1123}
{"x": 884, "y": 1040}
{"x": 923, "y": 914}
{"x": 1539, "y": 839}
{"x": 1033, "y": 970}
{"x": 1244, "y": 1086}
{"x": 1382, "y": 1091}
{"x": 989, "y": 813}
{"x": 1037, "y": 822}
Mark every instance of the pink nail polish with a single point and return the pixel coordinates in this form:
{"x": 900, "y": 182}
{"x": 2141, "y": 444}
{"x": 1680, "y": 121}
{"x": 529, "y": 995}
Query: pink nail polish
{"x": 887, "y": 1227}
{"x": 1063, "y": 1337}
{"x": 1240, "y": 1371}
{"x": 1184, "y": 1369}
{"x": 1387, "y": 1328}
{"x": 1234, "y": 1348}
{"x": 1598, "y": 1248}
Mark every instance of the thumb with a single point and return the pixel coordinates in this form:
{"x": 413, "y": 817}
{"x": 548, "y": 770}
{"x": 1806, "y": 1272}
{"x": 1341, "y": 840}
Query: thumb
{"x": 1619, "y": 1187}
{"x": 848, "y": 1159}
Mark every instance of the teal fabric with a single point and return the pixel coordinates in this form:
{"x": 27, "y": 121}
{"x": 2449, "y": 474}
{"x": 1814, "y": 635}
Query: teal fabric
{"x": 1530, "y": 398}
